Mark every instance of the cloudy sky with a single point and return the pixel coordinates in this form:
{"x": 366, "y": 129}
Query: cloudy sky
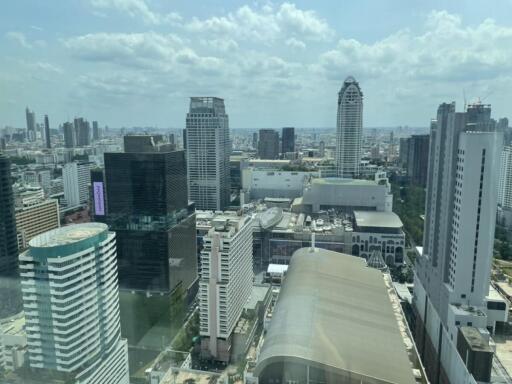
{"x": 136, "y": 62}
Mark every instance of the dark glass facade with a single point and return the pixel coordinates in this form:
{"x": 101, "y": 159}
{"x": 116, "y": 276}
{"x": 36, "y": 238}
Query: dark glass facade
{"x": 10, "y": 302}
{"x": 288, "y": 140}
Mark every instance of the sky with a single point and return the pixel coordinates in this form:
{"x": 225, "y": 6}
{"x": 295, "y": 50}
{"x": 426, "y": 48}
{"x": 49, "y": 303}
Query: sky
{"x": 137, "y": 62}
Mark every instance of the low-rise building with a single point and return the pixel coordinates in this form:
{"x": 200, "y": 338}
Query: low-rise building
{"x": 13, "y": 342}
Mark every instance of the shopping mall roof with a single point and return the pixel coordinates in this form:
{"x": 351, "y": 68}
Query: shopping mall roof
{"x": 377, "y": 219}
{"x": 334, "y": 314}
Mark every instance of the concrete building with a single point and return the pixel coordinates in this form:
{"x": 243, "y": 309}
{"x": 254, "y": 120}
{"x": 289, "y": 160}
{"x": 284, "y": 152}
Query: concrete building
{"x": 72, "y": 306}
{"x": 349, "y": 128}
{"x": 505, "y": 180}
{"x": 261, "y": 183}
{"x": 35, "y": 214}
{"x": 346, "y": 194}
{"x": 208, "y": 148}
{"x": 287, "y": 140}
{"x": 95, "y": 131}
{"x": 13, "y": 342}
{"x": 82, "y": 132}
{"x": 226, "y": 282}
{"x": 334, "y": 323}
{"x": 417, "y": 158}
{"x": 453, "y": 273}
{"x": 76, "y": 178}
{"x": 268, "y": 144}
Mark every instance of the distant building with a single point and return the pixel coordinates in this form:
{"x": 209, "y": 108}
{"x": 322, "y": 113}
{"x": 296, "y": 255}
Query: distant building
{"x": 403, "y": 151}
{"x": 452, "y": 274}
{"x": 287, "y": 140}
{"x": 31, "y": 124}
{"x": 321, "y": 149}
{"x": 78, "y": 339}
{"x": 255, "y": 140}
{"x": 47, "y": 138}
{"x": 208, "y": 150}
{"x": 146, "y": 144}
{"x": 505, "y": 179}
{"x": 225, "y": 283}
{"x": 329, "y": 301}
{"x": 95, "y": 131}
{"x": 76, "y": 179}
{"x": 82, "y": 132}
{"x": 349, "y": 128}
{"x": 268, "y": 144}
{"x": 69, "y": 135}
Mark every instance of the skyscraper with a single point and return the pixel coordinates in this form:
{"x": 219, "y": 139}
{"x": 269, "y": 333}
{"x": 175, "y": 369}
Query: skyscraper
{"x": 268, "y": 144}
{"x": 31, "y": 124}
{"x": 147, "y": 206}
{"x": 47, "y": 132}
{"x": 453, "y": 273}
{"x": 505, "y": 181}
{"x": 226, "y": 282}
{"x": 208, "y": 149}
{"x": 69, "y": 135}
{"x": 349, "y": 128}
{"x": 76, "y": 178}
{"x": 288, "y": 140}
{"x": 95, "y": 131}
{"x": 417, "y": 159}
{"x": 82, "y": 132}
{"x": 255, "y": 140}
{"x": 9, "y": 291}
{"x": 71, "y": 303}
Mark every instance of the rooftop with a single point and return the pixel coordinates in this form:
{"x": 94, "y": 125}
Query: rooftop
{"x": 377, "y": 219}
{"x": 341, "y": 181}
{"x": 334, "y": 313}
{"x": 13, "y": 326}
{"x": 67, "y": 235}
{"x": 475, "y": 339}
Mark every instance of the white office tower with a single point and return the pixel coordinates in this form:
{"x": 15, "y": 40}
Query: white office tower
{"x": 505, "y": 181}
{"x": 208, "y": 149}
{"x": 71, "y": 303}
{"x": 225, "y": 283}
{"x": 349, "y": 129}
{"x": 453, "y": 274}
{"x": 76, "y": 179}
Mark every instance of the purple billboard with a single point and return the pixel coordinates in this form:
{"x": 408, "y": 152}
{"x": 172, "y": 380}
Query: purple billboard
{"x": 99, "y": 201}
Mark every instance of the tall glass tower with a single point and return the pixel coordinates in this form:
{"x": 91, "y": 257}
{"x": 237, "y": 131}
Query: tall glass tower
{"x": 349, "y": 129}
{"x": 208, "y": 149}
{"x": 71, "y": 304}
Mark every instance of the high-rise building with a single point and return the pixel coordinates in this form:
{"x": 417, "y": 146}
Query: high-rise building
{"x": 403, "y": 151}
{"x": 208, "y": 149}
{"x": 82, "y": 132}
{"x": 76, "y": 178}
{"x": 95, "y": 131}
{"x": 287, "y": 140}
{"x": 47, "y": 137}
{"x": 268, "y": 144}
{"x": 417, "y": 159}
{"x": 10, "y": 303}
{"x": 321, "y": 148}
{"x": 453, "y": 273}
{"x": 35, "y": 214}
{"x": 69, "y": 135}
{"x": 31, "y": 124}
{"x": 505, "y": 181}
{"x": 184, "y": 137}
{"x": 255, "y": 140}
{"x": 226, "y": 282}
{"x": 147, "y": 205}
{"x": 71, "y": 304}
{"x": 349, "y": 129}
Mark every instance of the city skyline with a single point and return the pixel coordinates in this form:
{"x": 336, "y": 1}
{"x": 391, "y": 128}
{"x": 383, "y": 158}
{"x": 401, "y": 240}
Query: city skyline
{"x": 135, "y": 62}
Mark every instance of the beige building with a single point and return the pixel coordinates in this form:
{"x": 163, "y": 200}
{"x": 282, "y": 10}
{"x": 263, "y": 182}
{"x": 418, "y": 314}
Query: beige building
{"x": 34, "y": 215}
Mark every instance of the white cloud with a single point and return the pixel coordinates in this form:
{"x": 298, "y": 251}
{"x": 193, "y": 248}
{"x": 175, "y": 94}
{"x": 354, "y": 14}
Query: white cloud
{"x": 295, "y": 43}
{"x": 19, "y": 38}
{"x": 137, "y": 9}
{"x": 265, "y": 24}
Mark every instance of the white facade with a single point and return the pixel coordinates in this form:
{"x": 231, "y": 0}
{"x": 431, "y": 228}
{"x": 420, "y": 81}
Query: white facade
{"x": 208, "y": 150}
{"x": 71, "y": 303}
{"x": 453, "y": 273}
{"x": 226, "y": 277}
{"x": 505, "y": 181}
{"x": 349, "y": 128}
{"x": 76, "y": 180}
{"x": 351, "y": 194}
{"x": 260, "y": 183}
